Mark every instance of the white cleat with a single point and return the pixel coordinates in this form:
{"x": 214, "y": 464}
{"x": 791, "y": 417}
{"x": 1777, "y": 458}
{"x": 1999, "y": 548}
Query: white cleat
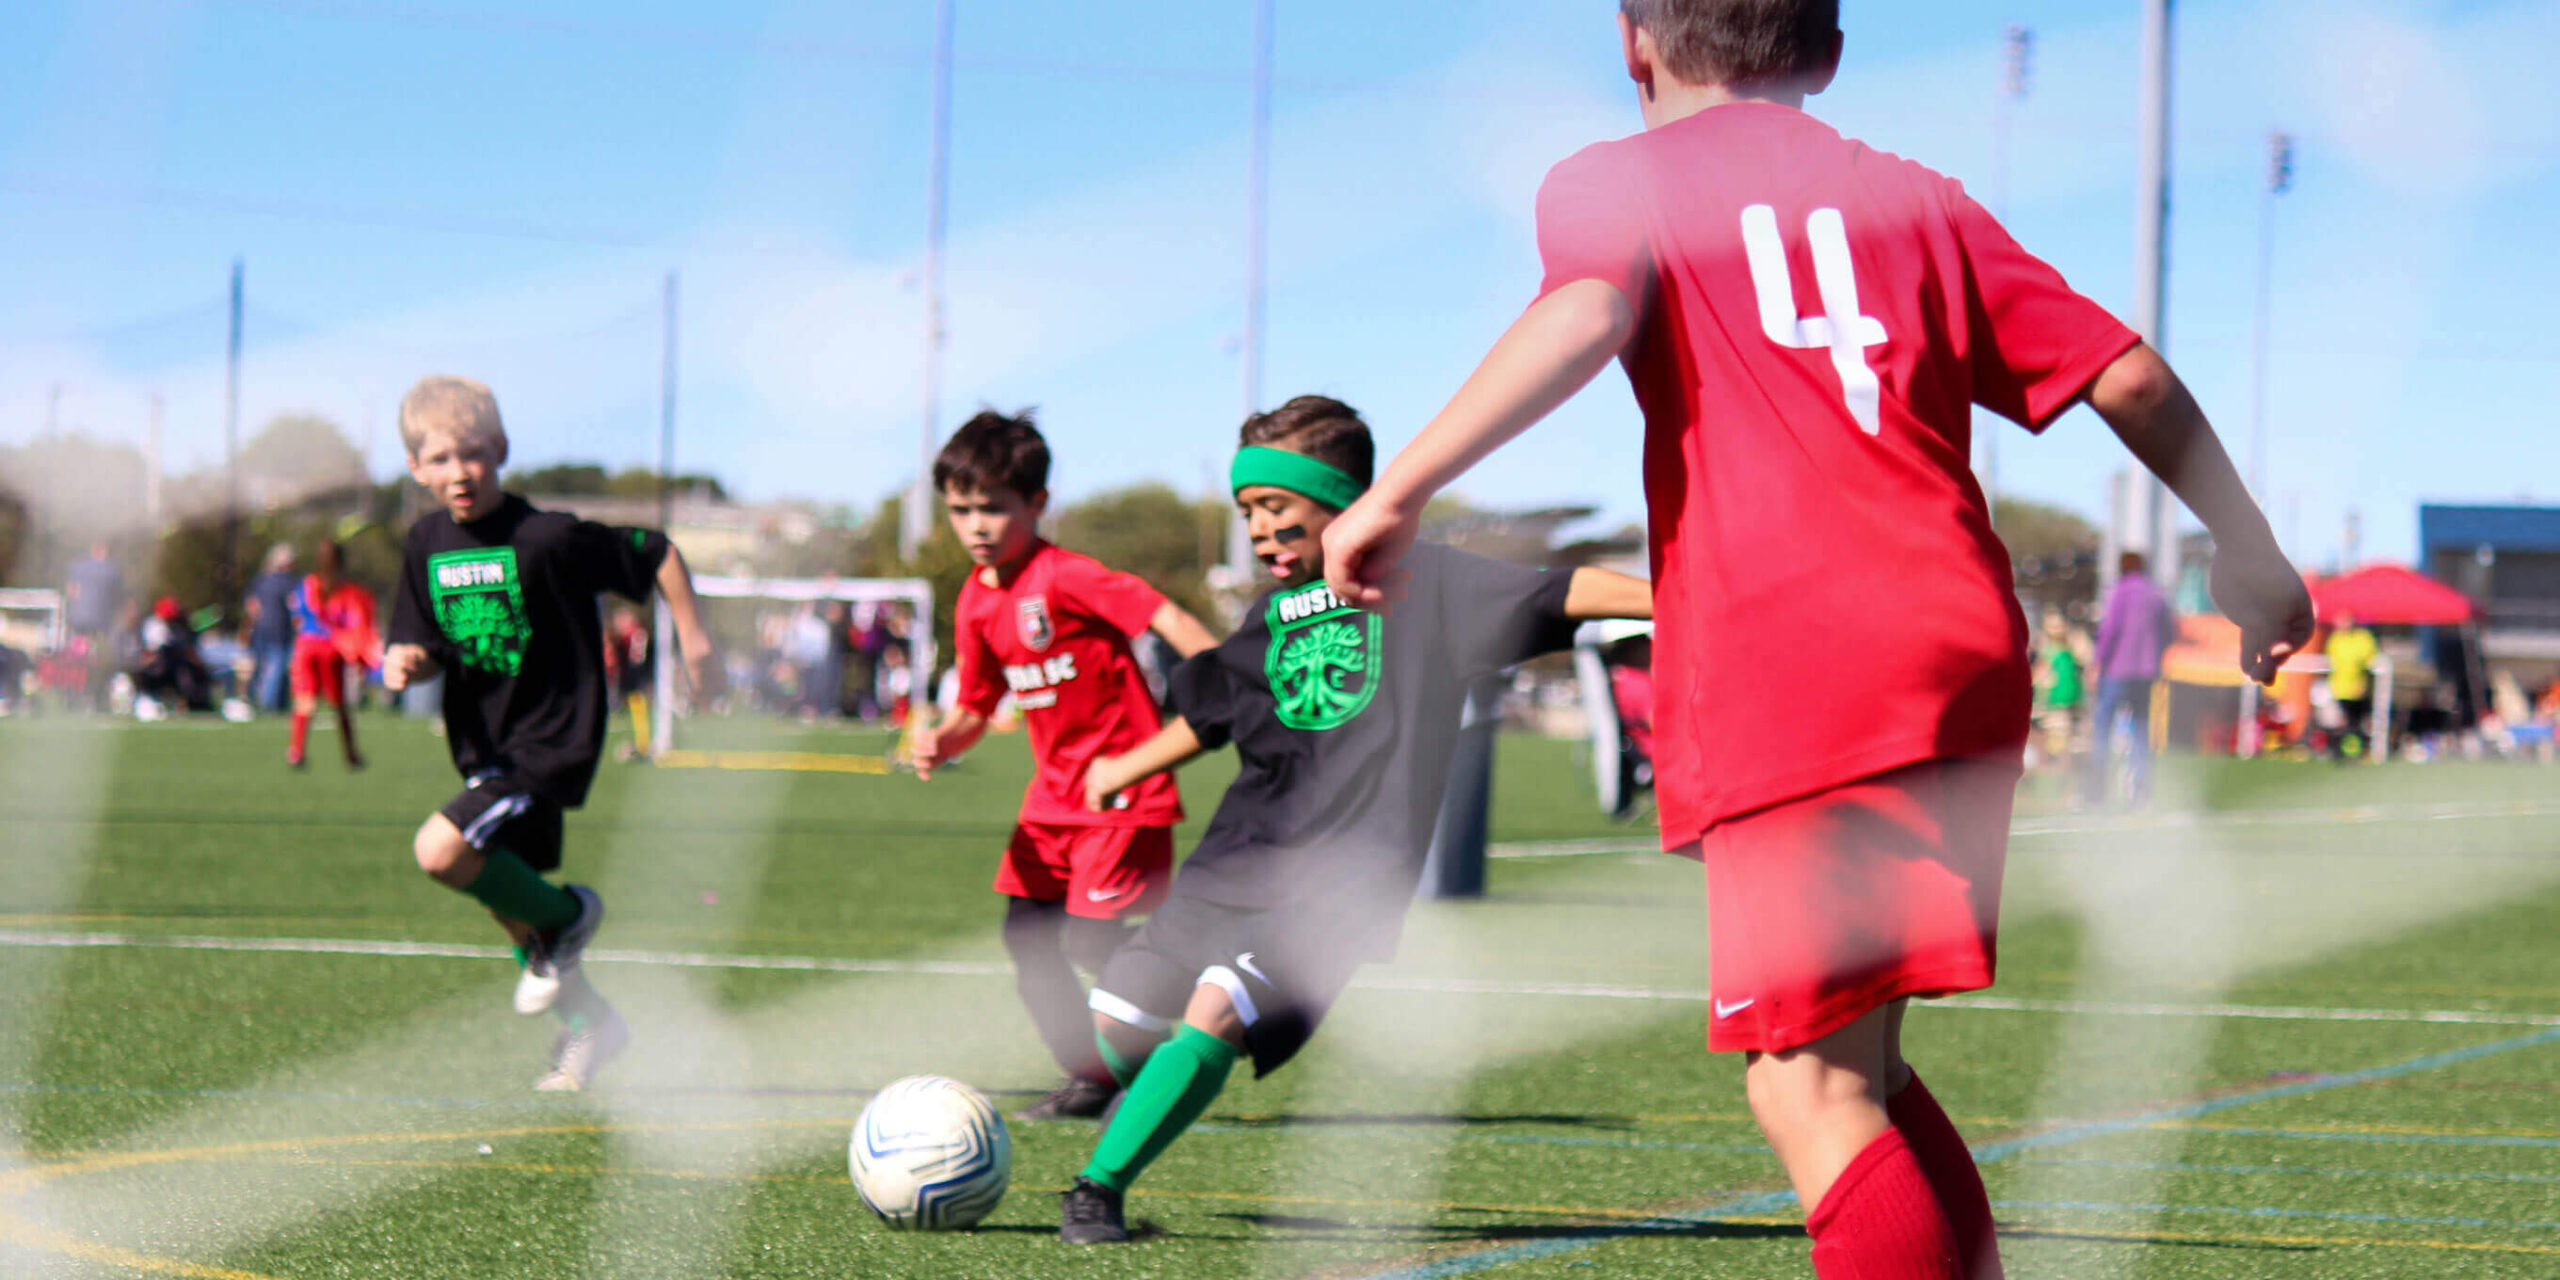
{"x": 578, "y": 1055}
{"x": 538, "y": 985}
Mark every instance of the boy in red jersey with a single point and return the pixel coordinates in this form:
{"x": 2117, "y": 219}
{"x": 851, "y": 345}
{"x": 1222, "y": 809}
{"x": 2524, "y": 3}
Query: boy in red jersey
{"x": 1054, "y": 627}
{"x": 1807, "y": 324}
{"x": 333, "y": 626}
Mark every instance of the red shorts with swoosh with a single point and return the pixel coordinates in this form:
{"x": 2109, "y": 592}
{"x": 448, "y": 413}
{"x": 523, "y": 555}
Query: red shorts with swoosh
{"x": 1822, "y": 908}
{"x": 1101, "y": 872}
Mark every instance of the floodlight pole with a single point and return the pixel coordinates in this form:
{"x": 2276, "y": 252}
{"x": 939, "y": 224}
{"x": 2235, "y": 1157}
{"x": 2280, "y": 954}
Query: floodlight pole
{"x": 667, "y": 411}
{"x": 916, "y": 519}
{"x": 2154, "y": 518}
{"x": 1257, "y": 200}
{"x": 228, "y": 575}
{"x": 2279, "y": 181}
{"x": 2019, "y": 47}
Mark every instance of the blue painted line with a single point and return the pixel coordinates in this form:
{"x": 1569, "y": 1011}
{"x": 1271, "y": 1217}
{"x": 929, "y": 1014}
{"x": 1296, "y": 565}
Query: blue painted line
{"x": 2419, "y": 1139}
{"x": 1774, "y": 1201}
{"x": 2259, "y": 1170}
{"x": 2069, "y": 1134}
{"x": 2269, "y": 1211}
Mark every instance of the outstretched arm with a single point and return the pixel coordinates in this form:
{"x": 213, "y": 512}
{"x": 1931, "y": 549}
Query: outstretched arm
{"x": 675, "y": 583}
{"x": 2152, "y": 411}
{"x": 1185, "y": 633}
{"x": 1108, "y": 776}
{"x": 931, "y": 746}
{"x": 1600, "y": 593}
{"x": 1553, "y": 350}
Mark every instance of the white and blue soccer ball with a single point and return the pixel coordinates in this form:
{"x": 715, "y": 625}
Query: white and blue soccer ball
{"x": 930, "y": 1154}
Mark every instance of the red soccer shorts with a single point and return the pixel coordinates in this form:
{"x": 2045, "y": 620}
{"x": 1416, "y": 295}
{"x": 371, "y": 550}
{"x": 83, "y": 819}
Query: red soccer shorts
{"x": 1100, "y": 872}
{"x": 1825, "y": 907}
{"x": 318, "y": 672}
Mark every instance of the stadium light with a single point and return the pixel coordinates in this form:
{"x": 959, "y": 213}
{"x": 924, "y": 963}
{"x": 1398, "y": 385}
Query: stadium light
{"x": 2279, "y": 181}
{"x": 2153, "y": 515}
{"x": 2017, "y": 67}
{"x": 1256, "y": 252}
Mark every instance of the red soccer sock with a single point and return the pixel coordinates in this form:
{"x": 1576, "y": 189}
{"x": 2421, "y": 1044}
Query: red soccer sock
{"x": 301, "y": 736}
{"x": 1881, "y": 1221}
{"x": 1952, "y": 1174}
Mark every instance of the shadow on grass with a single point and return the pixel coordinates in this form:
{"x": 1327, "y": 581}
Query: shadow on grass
{"x": 1502, "y": 1232}
{"x": 1416, "y": 1120}
{"x": 2155, "y": 1241}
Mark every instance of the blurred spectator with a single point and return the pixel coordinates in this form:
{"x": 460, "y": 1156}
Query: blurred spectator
{"x": 821, "y": 668}
{"x": 896, "y": 684}
{"x": 269, "y": 634}
{"x": 2060, "y": 689}
{"x": 170, "y": 671}
{"x": 2132, "y": 634}
{"x": 94, "y": 605}
{"x": 629, "y": 663}
{"x": 2350, "y": 652}
{"x": 14, "y": 670}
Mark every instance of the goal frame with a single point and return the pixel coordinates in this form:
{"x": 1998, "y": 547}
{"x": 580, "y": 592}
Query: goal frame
{"x": 917, "y": 593}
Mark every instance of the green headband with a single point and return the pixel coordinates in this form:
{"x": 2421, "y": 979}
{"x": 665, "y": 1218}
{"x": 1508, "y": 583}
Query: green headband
{"x": 1295, "y": 472}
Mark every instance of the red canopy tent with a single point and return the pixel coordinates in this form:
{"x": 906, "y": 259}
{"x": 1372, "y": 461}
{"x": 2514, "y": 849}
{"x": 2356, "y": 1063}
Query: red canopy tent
{"x": 2392, "y": 596}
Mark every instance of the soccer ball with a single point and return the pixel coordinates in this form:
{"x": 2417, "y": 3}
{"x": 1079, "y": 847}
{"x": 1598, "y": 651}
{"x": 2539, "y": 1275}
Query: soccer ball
{"x": 930, "y": 1154}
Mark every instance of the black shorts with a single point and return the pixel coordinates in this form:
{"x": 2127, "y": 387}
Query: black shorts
{"x": 499, "y": 811}
{"x": 1282, "y": 968}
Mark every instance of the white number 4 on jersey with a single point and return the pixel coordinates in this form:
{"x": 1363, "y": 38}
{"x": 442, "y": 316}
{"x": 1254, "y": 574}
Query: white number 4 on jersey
{"x": 1836, "y": 279}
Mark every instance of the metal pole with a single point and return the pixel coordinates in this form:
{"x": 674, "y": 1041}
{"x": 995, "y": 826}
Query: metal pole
{"x": 229, "y": 577}
{"x": 2020, "y": 46}
{"x": 1257, "y": 198}
{"x": 2151, "y": 265}
{"x": 667, "y": 413}
{"x": 2279, "y": 180}
{"x": 151, "y": 463}
{"x": 916, "y": 520}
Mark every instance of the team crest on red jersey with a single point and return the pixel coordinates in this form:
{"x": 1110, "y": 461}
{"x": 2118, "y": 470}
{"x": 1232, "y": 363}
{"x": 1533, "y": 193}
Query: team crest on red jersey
{"x": 1033, "y": 613}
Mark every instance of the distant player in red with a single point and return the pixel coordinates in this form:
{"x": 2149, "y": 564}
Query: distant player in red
{"x": 1808, "y": 323}
{"x": 333, "y": 626}
{"x": 1053, "y": 628}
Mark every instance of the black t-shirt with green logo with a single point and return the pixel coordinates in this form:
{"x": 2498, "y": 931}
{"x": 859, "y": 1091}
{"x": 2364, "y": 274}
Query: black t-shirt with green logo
{"x": 1344, "y": 722}
{"x": 507, "y": 606}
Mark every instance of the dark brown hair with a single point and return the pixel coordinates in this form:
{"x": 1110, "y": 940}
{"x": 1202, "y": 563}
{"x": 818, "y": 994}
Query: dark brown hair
{"x": 992, "y": 451}
{"x": 1320, "y": 427}
{"x": 1737, "y": 42}
{"x": 2130, "y": 563}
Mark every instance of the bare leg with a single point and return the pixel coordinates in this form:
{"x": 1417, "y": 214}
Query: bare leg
{"x": 1821, "y": 1104}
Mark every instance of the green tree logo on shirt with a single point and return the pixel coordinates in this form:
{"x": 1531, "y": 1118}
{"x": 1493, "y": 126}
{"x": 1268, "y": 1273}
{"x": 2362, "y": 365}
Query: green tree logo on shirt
{"x": 479, "y": 603}
{"x": 1323, "y": 660}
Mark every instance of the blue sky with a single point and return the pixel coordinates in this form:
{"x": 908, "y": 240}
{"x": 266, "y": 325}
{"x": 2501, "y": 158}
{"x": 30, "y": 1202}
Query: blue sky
{"x": 497, "y": 188}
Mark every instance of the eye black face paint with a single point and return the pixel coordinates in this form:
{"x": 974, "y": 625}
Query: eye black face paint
{"x": 1294, "y": 533}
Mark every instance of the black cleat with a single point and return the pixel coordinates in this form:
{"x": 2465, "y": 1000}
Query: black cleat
{"x": 1077, "y": 1099}
{"x": 1091, "y": 1214}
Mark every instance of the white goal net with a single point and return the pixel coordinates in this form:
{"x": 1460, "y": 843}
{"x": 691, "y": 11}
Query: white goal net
{"x": 757, "y": 605}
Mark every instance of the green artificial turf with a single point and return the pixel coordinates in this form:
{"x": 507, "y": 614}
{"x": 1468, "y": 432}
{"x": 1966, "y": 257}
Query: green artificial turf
{"x": 2165, "y": 1076}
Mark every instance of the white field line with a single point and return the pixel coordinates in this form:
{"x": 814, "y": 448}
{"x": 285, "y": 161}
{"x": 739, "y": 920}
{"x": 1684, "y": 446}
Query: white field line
{"x": 2089, "y": 824}
{"x": 1379, "y": 982}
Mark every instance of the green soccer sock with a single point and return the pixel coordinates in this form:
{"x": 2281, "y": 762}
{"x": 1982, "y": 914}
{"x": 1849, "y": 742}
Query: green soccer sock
{"x": 1180, "y": 1079}
{"x": 1123, "y": 1068}
{"x": 512, "y": 889}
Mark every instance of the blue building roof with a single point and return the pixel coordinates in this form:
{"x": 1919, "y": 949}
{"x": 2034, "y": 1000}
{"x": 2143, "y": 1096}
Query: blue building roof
{"x": 2449, "y": 528}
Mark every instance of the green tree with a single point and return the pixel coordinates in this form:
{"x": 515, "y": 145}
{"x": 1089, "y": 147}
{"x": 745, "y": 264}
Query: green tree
{"x": 295, "y": 456}
{"x": 2053, "y": 552}
{"x": 561, "y": 479}
{"x": 1152, "y": 531}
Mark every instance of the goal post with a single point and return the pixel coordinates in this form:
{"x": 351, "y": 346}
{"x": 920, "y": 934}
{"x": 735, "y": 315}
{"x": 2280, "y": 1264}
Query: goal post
{"x": 31, "y": 619}
{"x": 915, "y": 593}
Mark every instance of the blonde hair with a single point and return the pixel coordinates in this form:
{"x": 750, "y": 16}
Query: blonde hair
{"x": 443, "y": 402}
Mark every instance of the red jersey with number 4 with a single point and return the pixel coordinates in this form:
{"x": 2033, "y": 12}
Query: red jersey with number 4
{"x": 1818, "y": 319}
{"x": 1057, "y": 637}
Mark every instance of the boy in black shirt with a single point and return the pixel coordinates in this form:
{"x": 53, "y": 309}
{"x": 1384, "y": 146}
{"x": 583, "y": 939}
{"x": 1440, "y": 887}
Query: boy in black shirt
{"x": 1344, "y": 723}
{"x": 502, "y": 599}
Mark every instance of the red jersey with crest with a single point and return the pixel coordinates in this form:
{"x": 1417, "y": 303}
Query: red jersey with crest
{"x": 1817, "y": 320}
{"x": 1057, "y": 637}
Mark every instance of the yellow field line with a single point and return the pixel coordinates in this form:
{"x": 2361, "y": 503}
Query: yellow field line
{"x": 776, "y": 761}
{"x": 19, "y": 1231}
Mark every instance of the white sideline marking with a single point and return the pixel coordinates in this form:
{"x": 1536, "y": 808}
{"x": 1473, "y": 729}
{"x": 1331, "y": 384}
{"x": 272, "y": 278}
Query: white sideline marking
{"x": 1422, "y": 985}
{"x": 2089, "y": 824}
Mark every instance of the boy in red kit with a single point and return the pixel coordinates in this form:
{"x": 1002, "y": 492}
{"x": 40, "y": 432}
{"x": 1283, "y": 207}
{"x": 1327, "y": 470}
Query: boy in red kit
{"x": 333, "y": 626}
{"x": 1807, "y": 324}
{"x": 1053, "y": 628}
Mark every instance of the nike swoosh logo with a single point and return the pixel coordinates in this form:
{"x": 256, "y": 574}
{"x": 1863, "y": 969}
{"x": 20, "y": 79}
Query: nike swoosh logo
{"x": 1724, "y": 1010}
{"x": 1100, "y": 895}
{"x": 1245, "y": 962}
